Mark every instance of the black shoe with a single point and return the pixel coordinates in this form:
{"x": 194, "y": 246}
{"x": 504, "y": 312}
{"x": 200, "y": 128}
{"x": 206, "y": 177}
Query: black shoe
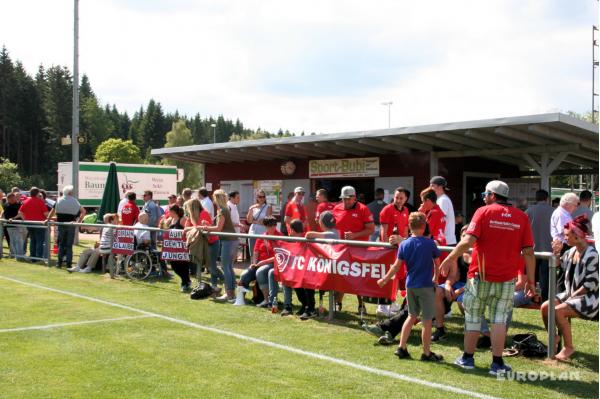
{"x": 362, "y": 309}
{"x": 286, "y": 312}
{"x": 432, "y": 357}
{"x": 338, "y": 306}
{"x": 438, "y": 336}
{"x": 309, "y": 314}
{"x": 484, "y": 342}
{"x": 301, "y": 311}
{"x": 402, "y": 353}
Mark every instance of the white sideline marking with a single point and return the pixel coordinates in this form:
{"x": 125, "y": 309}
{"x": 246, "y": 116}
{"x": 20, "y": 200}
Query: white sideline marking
{"x": 331, "y": 359}
{"x": 74, "y": 323}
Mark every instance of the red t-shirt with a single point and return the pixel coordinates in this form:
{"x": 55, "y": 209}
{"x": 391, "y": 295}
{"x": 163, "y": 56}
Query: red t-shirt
{"x": 502, "y": 231}
{"x": 265, "y": 247}
{"x": 437, "y": 224}
{"x": 323, "y": 207}
{"x": 352, "y": 220}
{"x": 129, "y": 213}
{"x": 391, "y": 216}
{"x": 296, "y": 211}
{"x": 204, "y": 216}
{"x": 34, "y": 208}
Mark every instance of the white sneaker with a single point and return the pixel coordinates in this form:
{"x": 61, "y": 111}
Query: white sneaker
{"x": 449, "y": 314}
{"x": 73, "y": 269}
{"x": 86, "y": 270}
{"x": 383, "y": 310}
{"x": 394, "y": 308}
{"x": 221, "y": 298}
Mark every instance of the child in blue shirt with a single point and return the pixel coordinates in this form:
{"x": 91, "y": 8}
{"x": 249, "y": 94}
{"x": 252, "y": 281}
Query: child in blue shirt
{"x": 422, "y": 263}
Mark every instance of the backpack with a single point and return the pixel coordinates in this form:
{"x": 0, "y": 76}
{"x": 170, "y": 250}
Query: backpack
{"x": 201, "y": 291}
{"x": 529, "y": 346}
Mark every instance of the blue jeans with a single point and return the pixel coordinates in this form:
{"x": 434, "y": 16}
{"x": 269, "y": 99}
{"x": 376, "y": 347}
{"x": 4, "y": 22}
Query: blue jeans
{"x": 17, "y": 236}
{"x": 37, "y": 238}
{"x": 66, "y": 237}
{"x": 263, "y": 279}
{"x": 274, "y": 289}
{"x": 251, "y": 244}
{"x": 213, "y": 254}
{"x": 228, "y": 255}
{"x": 248, "y": 276}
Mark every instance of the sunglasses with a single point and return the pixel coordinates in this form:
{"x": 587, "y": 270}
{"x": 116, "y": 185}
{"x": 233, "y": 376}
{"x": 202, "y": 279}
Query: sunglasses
{"x": 261, "y": 196}
{"x": 486, "y": 193}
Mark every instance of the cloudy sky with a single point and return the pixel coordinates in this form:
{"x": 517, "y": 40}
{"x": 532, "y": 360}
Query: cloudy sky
{"x": 319, "y": 66}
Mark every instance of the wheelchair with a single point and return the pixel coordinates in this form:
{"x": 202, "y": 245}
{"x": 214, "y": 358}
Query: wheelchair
{"x": 143, "y": 262}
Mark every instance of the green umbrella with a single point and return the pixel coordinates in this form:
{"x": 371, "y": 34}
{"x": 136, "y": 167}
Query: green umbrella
{"x": 110, "y": 198}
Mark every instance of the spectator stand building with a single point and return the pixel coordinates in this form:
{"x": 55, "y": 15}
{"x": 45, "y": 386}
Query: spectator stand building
{"x": 524, "y": 151}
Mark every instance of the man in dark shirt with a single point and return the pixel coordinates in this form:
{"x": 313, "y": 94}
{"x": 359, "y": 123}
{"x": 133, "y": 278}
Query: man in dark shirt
{"x": 11, "y": 210}
{"x": 375, "y": 207}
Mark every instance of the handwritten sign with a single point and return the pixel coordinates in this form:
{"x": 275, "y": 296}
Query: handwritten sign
{"x": 124, "y": 242}
{"x": 174, "y": 246}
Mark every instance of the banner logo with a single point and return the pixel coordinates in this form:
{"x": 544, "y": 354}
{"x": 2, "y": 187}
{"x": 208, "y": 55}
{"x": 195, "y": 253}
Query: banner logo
{"x": 282, "y": 258}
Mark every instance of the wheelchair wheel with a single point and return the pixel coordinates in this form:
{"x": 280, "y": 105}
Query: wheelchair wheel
{"x": 138, "y": 265}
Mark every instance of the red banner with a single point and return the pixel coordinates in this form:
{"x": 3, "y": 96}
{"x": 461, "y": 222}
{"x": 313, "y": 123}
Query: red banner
{"x": 353, "y": 270}
{"x": 174, "y": 246}
{"x": 124, "y": 242}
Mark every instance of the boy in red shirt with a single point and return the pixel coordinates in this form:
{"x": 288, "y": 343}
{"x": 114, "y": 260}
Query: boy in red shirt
{"x": 394, "y": 216}
{"x": 295, "y": 209}
{"x": 130, "y": 211}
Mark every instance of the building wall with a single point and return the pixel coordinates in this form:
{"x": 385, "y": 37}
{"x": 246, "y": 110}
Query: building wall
{"x": 414, "y": 164}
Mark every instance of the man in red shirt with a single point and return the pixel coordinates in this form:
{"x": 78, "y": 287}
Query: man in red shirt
{"x": 436, "y": 220}
{"x": 295, "y": 209}
{"x": 394, "y": 216}
{"x": 322, "y": 206}
{"x": 354, "y": 221}
{"x": 499, "y": 233}
{"x": 130, "y": 211}
{"x": 34, "y": 209}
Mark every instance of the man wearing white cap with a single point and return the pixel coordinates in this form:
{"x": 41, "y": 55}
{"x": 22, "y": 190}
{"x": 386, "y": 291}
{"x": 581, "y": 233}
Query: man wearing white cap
{"x": 498, "y": 233}
{"x": 354, "y": 221}
{"x": 295, "y": 209}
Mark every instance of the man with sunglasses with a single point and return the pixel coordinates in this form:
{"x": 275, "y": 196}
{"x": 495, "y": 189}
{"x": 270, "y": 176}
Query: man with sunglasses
{"x": 498, "y": 233}
{"x": 295, "y": 209}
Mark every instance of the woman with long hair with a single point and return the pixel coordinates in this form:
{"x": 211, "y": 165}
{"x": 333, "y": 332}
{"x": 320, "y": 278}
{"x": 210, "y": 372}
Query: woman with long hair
{"x": 181, "y": 268}
{"x": 256, "y": 214}
{"x": 199, "y": 217}
{"x": 229, "y": 245}
{"x": 580, "y": 298}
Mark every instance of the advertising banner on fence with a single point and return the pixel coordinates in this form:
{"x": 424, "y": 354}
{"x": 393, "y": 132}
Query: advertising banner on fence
{"x": 174, "y": 246}
{"x": 124, "y": 242}
{"x": 352, "y": 270}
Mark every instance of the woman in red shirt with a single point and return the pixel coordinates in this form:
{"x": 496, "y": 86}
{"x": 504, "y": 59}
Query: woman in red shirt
{"x": 196, "y": 216}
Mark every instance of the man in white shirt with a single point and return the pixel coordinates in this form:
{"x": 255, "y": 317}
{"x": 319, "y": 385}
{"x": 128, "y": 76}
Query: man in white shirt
{"x": 562, "y": 216}
{"x": 142, "y": 237}
{"x": 234, "y": 200}
{"x": 439, "y": 185}
{"x": 207, "y": 204}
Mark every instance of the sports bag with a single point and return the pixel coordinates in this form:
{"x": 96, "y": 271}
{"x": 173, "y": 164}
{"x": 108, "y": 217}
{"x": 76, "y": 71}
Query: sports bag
{"x": 201, "y": 291}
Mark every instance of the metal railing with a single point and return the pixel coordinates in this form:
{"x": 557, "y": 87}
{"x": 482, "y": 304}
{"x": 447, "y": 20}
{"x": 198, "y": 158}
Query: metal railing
{"x": 552, "y": 259}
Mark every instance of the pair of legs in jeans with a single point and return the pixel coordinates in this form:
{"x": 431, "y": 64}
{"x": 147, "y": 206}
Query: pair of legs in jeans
{"x": 66, "y": 237}
{"x": 265, "y": 277}
{"x": 18, "y": 235}
{"x": 228, "y": 254}
{"x": 37, "y": 238}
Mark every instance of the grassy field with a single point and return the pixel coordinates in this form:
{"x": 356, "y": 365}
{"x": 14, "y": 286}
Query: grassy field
{"x": 148, "y": 340}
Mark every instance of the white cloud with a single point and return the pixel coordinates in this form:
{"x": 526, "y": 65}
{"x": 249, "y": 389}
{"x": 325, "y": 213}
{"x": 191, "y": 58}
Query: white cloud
{"x": 320, "y": 66}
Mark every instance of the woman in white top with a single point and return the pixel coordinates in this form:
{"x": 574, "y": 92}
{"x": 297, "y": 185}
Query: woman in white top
{"x": 255, "y": 216}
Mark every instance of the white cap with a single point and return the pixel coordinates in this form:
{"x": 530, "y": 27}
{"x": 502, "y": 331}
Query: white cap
{"x": 497, "y": 187}
{"x": 347, "y": 192}
{"x": 299, "y": 190}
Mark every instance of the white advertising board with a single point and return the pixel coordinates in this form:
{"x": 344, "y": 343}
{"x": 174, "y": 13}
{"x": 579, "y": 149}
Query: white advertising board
{"x": 161, "y": 180}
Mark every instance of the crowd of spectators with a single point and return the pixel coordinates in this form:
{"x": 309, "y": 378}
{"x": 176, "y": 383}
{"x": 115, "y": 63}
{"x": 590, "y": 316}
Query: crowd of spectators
{"x": 501, "y": 272}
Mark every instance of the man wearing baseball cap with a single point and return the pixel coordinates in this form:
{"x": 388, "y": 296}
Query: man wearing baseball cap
{"x": 498, "y": 233}
{"x": 354, "y": 221}
{"x": 440, "y": 186}
{"x": 295, "y": 209}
